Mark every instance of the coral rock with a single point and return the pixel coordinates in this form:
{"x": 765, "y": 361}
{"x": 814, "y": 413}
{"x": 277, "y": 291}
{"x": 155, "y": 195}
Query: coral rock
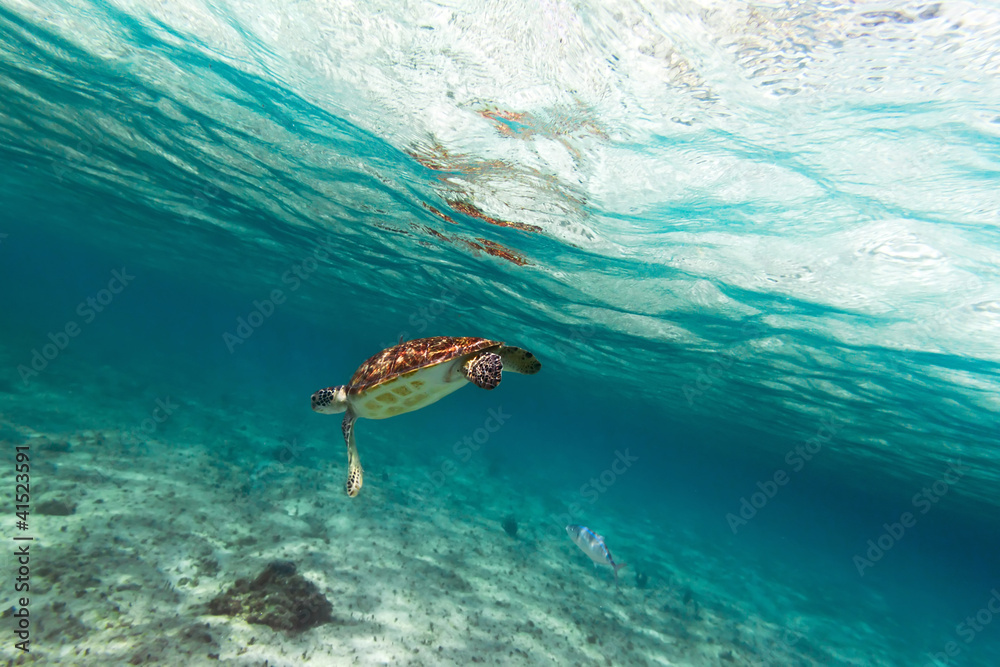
{"x": 279, "y": 598}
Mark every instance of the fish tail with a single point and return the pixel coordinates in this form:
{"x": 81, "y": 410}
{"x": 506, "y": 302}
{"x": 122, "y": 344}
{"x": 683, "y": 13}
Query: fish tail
{"x": 617, "y": 567}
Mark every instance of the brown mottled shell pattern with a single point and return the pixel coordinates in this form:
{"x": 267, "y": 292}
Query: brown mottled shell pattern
{"x": 413, "y": 355}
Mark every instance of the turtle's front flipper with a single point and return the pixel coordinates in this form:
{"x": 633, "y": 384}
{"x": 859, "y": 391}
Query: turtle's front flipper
{"x": 484, "y": 370}
{"x": 518, "y": 360}
{"x": 354, "y": 471}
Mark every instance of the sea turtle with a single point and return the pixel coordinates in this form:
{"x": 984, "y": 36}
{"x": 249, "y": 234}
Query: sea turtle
{"x": 412, "y": 375}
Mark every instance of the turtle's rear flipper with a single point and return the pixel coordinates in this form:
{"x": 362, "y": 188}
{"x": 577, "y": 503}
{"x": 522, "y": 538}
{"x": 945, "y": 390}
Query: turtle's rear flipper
{"x": 520, "y": 361}
{"x": 484, "y": 370}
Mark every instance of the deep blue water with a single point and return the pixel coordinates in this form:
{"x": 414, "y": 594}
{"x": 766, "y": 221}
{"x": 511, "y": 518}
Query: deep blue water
{"x": 754, "y": 248}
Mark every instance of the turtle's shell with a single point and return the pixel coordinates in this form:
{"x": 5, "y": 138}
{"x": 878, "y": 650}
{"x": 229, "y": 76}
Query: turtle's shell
{"x": 412, "y": 375}
{"x": 412, "y": 356}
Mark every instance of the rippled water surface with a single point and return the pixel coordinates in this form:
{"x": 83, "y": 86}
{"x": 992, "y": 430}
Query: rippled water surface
{"x": 750, "y": 242}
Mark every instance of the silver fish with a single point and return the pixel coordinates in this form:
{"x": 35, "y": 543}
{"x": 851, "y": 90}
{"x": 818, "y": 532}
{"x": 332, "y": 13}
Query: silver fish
{"x": 593, "y": 545}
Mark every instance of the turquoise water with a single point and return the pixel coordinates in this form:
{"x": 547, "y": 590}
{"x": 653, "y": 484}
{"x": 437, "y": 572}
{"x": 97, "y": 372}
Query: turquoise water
{"x": 754, "y": 246}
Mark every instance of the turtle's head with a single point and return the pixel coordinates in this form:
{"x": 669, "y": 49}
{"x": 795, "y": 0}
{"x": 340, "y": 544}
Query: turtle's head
{"x": 330, "y": 401}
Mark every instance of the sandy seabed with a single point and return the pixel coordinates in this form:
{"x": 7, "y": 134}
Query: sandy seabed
{"x": 132, "y": 542}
